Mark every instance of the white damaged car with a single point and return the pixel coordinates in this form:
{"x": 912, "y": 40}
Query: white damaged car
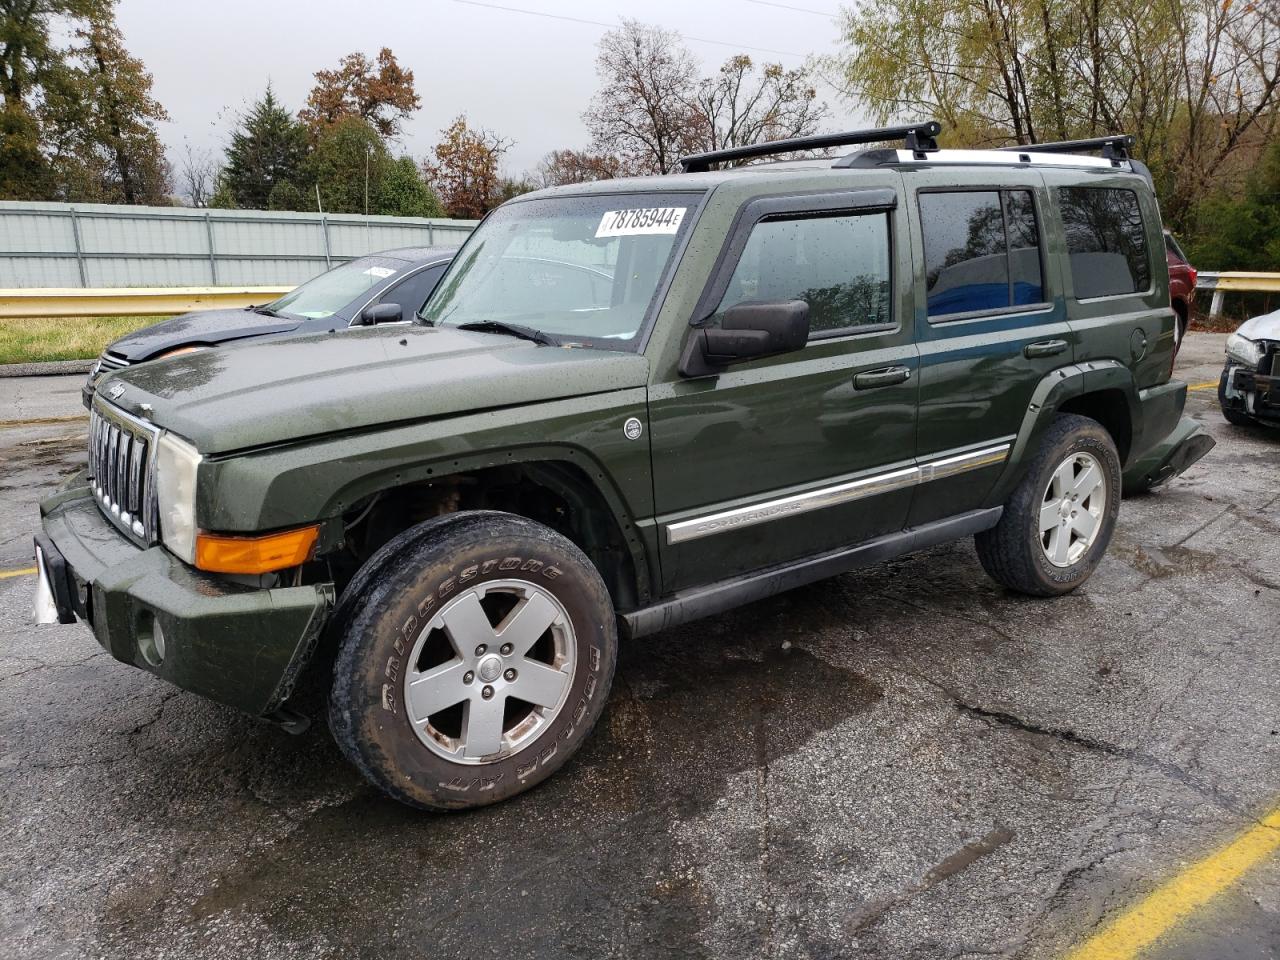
{"x": 1249, "y": 390}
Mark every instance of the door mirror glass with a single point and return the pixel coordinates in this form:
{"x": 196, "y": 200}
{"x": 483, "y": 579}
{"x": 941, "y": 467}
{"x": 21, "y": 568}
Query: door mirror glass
{"x": 381, "y": 313}
{"x": 747, "y": 331}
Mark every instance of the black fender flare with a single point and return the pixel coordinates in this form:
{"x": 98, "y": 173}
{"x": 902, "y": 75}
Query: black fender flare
{"x": 1054, "y": 389}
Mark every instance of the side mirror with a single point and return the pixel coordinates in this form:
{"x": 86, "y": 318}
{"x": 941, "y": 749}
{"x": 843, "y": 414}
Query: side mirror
{"x": 381, "y": 313}
{"x": 747, "y": 331}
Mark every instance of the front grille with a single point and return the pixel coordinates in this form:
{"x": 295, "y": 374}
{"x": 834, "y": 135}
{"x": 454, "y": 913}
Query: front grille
{"x": 122, "y": 471}
{"x": 108, "y": 362}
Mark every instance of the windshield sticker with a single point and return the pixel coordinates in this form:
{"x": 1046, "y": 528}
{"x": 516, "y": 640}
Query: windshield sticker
{"x": 641, "y": 221}
{"x": 380, "y": 272}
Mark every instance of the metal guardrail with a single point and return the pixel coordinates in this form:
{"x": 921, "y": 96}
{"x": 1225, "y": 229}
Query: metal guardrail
{"x": 129, "y": 301}
{"x": 1235, "y": 282}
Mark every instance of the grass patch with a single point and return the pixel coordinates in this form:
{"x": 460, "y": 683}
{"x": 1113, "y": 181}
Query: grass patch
{"x": 67, "y": 338}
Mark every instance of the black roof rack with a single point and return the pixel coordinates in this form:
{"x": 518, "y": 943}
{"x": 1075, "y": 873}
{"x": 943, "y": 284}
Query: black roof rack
{"x": 918, "y": 136}
{"x": 1114, "y": 147}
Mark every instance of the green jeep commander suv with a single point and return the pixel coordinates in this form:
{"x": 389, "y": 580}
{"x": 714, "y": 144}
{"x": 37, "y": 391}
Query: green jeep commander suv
{"x": 630, "y": 404}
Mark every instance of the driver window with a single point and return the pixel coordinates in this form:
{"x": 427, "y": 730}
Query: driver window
{"x": 838, "y": 265}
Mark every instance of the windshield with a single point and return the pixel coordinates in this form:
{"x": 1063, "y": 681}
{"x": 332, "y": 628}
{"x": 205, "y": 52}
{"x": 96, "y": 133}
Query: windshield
{"x": 328, "y": 293}
{"x": 578, "y": 268}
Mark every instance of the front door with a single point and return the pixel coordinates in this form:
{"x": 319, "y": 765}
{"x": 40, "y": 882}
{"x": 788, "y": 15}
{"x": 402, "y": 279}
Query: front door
{"x": 794, "y": 455}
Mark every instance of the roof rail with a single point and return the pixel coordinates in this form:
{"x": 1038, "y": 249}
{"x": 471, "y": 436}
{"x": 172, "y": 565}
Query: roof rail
{"x": 919, "y": 137}
{"x": 1114, "y": 147}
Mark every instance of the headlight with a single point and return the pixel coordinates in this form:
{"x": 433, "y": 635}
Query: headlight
{"x": 176, "y": 465}
{"x": 1244, "y": 350}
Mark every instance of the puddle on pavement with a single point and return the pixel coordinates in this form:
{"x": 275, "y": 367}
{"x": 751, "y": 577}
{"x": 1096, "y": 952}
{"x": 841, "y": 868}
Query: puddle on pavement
{"x": 689, "y": 711}
{"x": 1161, "y": 562}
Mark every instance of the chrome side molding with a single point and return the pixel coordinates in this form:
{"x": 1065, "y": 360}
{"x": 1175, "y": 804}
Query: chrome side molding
{"x": 946, "y": 464}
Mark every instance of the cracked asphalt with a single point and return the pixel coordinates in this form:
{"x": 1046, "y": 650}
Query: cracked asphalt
{"x": 903, "y": 762}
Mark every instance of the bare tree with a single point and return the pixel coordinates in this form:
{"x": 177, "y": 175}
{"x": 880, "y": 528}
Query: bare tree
{"x": 737, "y": 108}
{"x": 654, "y": 107}
{"x": 642, "y": 112}
{"x": 560, "y": 167}
{"x": 197, "y": 175}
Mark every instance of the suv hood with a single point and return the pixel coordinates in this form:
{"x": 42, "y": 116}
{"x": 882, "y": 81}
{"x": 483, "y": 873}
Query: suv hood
{"x": 204, "y": 326}
{"x": 272, "y": 391}
{"x": 1265, "y": 327}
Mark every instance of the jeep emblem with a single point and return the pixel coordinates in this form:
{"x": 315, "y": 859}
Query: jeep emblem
{"x": 632, "y": 428}
{"x": 116, "y": 391}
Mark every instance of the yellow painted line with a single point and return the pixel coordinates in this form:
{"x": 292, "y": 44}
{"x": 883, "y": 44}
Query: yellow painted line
{"x": 1141, "y": 925}
{"x": 10, "y": 574}
{"x": 1207, "y": 385}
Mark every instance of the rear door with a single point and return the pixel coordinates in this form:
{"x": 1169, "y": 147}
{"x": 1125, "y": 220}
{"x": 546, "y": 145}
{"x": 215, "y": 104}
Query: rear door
{"x": 991, "y": 323}
{"x": 1117, "y": 287}
{"x": 790, "y": 456}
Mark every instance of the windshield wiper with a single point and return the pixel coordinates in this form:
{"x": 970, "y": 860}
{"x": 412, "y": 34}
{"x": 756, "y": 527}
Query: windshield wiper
{"x": 265, "y": 311}
{"x": 513, "y": 329}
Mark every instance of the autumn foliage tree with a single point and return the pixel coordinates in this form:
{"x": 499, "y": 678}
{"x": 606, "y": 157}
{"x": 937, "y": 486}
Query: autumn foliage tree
{"x": 77, "y": 115}
{"x": 1197, "y": 82}
{"x": 465, "y": 173}
{"x": 380, "y": 92}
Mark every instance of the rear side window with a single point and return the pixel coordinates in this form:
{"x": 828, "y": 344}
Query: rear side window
{"x": 837, "y": 265}
{"x": 411, "y": 294}
{"x": 982, "y": 251}
{"x": 1106, "y": 241}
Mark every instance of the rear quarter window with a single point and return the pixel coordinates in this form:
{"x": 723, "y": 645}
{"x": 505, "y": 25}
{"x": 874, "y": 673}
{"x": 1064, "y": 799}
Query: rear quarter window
{"x": 1106, "y": 241}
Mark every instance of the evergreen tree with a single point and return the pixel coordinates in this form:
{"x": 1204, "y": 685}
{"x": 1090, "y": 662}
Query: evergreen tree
{"x": 269, "y": 148}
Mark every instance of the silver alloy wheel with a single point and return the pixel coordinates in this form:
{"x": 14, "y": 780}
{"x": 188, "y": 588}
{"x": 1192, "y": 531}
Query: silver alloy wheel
{"x": 490, "y": 671}
{"x": 1072, "y": 509}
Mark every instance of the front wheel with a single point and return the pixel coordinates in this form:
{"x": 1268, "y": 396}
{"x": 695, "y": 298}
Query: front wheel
{"x": 474, "y": 662}
{"x": 1058, "y": 521}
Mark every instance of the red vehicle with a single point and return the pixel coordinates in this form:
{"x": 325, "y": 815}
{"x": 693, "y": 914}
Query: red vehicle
{"x": 1182, "y": 286}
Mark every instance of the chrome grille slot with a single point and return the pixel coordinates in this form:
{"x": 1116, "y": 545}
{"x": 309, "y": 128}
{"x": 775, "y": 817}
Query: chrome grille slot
{"x": 122, "y": 471}
{"x": 108, "y": 362}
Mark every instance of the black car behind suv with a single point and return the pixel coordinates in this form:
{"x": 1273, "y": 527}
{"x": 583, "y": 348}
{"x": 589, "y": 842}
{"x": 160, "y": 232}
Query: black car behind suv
{"x": 387, "y": 287}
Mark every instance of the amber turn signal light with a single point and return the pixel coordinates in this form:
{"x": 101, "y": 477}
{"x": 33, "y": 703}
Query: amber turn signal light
{"x": 275, "y": 551}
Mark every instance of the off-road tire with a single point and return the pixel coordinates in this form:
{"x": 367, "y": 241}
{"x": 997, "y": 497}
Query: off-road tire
{"x": 381, "y": 615}
{"x": 1011, "y": 551}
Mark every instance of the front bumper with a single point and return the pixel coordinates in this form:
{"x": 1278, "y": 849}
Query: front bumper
{"x": 1182, "y": 447}
{"x": 1249, "y": 392}
{"x": 236, "y": 644}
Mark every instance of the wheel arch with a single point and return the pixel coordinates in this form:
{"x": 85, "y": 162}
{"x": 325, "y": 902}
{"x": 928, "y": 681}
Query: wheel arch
{"x": 1101, "y": 390}
{"x": 562, "y": 488}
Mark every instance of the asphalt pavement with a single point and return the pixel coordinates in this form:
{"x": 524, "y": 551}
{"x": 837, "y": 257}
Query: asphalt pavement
{"x": 903, "y": 762}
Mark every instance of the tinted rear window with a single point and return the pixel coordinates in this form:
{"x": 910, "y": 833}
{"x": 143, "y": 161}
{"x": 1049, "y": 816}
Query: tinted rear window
{"x": 982, "y": 251}
{"x": 1106, "y": 241}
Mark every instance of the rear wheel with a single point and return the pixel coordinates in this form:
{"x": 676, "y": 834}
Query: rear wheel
{"x": 476, "y": 662}
{"x": 1059, "y": 520}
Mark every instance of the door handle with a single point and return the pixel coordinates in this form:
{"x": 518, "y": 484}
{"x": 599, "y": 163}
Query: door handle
{"x": 885, "y": 377}
{"x": 1044, "y": 348}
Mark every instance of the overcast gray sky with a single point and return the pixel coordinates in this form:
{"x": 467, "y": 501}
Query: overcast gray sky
{"x": 526, "y": 77}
